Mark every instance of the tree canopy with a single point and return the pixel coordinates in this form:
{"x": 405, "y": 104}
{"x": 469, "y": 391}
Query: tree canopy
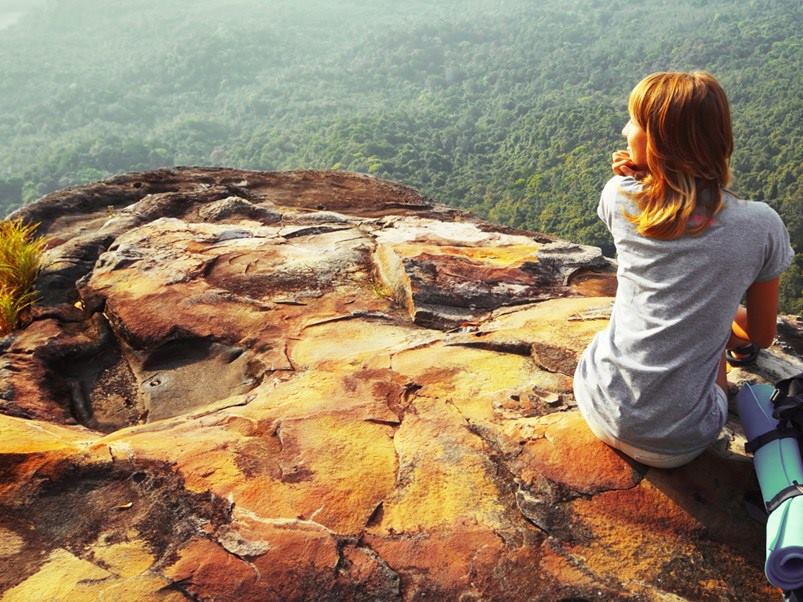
{"x": 509, "y": 108}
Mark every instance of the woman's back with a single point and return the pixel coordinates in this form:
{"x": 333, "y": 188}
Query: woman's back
{"x": 648, "y": 379}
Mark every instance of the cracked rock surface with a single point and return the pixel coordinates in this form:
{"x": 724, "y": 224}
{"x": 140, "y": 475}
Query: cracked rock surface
{"x": 321, "y": 386}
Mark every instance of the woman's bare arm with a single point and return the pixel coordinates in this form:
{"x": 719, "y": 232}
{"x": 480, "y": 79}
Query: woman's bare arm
{"x": 755, "y": 323}
{"x": 758, "y": 319}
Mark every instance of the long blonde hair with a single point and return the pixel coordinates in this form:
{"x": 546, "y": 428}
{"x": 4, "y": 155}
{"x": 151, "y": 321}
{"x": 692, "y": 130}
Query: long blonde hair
{"x": 689, "y": 142}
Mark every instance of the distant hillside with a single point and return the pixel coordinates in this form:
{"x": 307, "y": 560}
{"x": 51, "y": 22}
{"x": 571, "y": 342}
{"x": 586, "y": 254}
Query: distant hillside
{"x": 506, "y": 107}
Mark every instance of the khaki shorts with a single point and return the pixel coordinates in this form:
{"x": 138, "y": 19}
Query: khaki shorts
{"x": 656, "y": 459}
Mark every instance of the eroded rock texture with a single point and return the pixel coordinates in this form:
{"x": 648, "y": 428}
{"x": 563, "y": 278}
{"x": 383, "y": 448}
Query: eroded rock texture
{"x": 320, "y": 386}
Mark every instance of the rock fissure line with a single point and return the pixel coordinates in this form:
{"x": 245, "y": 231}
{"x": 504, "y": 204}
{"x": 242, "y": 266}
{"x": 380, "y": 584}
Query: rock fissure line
{"x": 234, "y": 190}
{"x": 243, "y": 558}
{"x": 340, "y": 544}
{"x": 102, "y": 565}
{"x": 451, "y": 403}
{"x": 80, "y": 406}
{"x": 180, "y": 586}
{"x": 277, "y": 433}
{"x": 512, "y": 484}
{"x": 359, "y": 314}
{"x": 543, "y": 530}
{"x": 315, "y": 230}
{"x": 286, "y": 354}
{"x": 376, "y": 516}
{"x": 393, "y": 574}
{"x": 416, "y": 347}
{"x": 402, "y": 476}
{"x": 521, "y": 348}
{"x": 285, "y": 522}
{"x": 235, "y": 404}
{"x": 509, "y": 483}
{"x": 391, "y": 423}
{"x": 611, "y": 582}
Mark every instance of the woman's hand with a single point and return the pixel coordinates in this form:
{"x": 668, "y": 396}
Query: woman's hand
{"x": 622, "y": 165}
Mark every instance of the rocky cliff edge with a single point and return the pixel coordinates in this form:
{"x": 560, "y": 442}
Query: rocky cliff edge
{"x": 322, "y": 386}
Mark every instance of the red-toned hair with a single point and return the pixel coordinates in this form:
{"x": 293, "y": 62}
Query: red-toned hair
{"x": 689, "y": 142}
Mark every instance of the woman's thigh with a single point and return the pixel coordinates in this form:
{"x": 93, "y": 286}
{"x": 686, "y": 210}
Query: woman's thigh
{"x": 656, "y": 459}
{"x": 650, "y": 458}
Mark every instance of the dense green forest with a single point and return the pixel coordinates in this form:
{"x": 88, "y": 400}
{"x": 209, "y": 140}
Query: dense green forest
{"x": 509, "y": 108}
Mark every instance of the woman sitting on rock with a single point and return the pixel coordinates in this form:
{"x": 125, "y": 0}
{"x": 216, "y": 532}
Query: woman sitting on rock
{"x": 652, "y": 384}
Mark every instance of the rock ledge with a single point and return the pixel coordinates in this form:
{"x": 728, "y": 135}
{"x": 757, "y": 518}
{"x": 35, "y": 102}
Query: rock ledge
{"x": 321, "y": 386}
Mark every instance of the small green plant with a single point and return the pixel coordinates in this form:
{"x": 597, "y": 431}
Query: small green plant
{"x": 20, "y": 260}
{"x": 10, "y": 308}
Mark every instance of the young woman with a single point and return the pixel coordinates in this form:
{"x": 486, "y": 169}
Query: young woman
{"x": 652, "y": 384}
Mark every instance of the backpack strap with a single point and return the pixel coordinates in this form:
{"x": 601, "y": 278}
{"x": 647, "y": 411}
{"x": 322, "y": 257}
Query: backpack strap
{"x": 787, "y": 400}
{"x": 793, "y": 490}
{"x": 777, "y": 433}
{"x": 787, "y": 403}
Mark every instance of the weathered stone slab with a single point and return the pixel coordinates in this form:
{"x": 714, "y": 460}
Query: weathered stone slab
{"x": 320, "y": 386}
{"x": 449, "y": 274}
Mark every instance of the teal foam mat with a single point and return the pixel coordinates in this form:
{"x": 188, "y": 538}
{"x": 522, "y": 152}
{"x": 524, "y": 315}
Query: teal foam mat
{"x": 778, "y": 465}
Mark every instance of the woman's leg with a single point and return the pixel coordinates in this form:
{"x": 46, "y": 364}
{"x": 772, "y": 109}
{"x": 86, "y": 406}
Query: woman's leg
{"x": 739, "y": 337}
{"x": 654, "y": 459}
{"x": 722, "y": 374}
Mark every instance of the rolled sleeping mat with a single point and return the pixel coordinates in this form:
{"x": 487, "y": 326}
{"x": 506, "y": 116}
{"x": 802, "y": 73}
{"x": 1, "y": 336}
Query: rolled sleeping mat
{"x": 779, "y": 469}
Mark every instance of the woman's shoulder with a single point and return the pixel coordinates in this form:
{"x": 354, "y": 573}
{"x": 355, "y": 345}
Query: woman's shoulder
{"x": 622, "y": 185}
{"x": 620, "y": 190}
{"x": 757, "y": 221}
{"x": 618, "y": 196}
{"x": 749, "y": 210}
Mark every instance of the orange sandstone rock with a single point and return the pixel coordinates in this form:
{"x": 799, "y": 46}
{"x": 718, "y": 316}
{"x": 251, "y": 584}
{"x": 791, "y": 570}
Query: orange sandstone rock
{"x": 320, "y": 386}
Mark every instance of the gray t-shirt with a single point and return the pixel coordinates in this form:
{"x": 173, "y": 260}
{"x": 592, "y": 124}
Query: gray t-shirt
{"x": 648, "y": 379}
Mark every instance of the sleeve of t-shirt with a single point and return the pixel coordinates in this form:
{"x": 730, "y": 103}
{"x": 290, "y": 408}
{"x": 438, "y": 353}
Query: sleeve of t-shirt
{"x": 607, "y": 201}
{"x": 616, "y": 186}
{"x": 778, "y": 253}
